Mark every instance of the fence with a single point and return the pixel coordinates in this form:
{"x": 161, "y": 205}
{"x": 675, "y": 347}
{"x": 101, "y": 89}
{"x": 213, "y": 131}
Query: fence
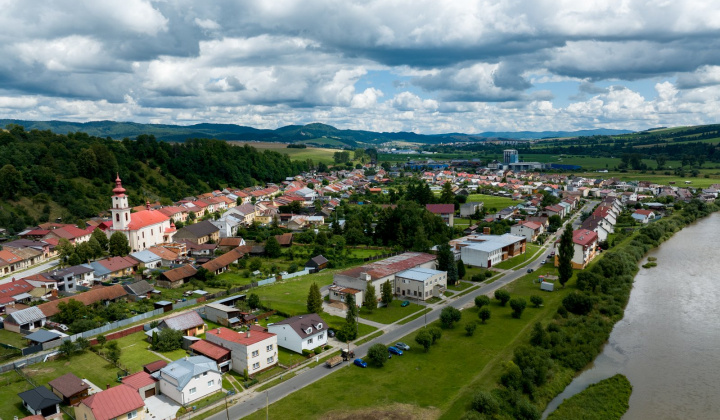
{"x": 295, "y": 274}
{"x": 379, "y": 257}
{"x": 21, "y": 363}
{"x": 266, "y": 281}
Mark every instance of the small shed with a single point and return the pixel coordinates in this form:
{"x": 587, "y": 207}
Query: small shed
{"x": 165, "y": 305}
{"x": 317, "y": 263}
{"x": 42, "y": 337}
{"x": 154, "y": 366}
{"x": 547, "y": 286}
{"x": 40, "y": 401}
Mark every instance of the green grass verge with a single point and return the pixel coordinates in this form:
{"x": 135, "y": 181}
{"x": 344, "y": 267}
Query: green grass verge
{"x": 606, "y": 400}
{"x": 369, "y": 338}
{"x": 14, "y": 339}
{"x": 390, "y": 313}
{"x": 416, "y": 316}
{"x": 336, "y": 322}
{"x": 288, "y": 357}
{"x": 520, "y": 260}
{"x": 460, "y": 286}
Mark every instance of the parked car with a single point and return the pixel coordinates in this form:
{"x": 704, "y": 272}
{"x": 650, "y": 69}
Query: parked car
{"x": 529, "y": 270}
{"x": 402, "y": 346}
{"x": 360, "y": 363}
{"x": 395, "y": 350}
{"x": 405, "y": 303}
{"x": 331, "y": 333}
{"x": 543, "y": 262}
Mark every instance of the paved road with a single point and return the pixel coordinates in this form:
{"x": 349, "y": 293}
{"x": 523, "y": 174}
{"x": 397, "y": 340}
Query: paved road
{"x": 257, "y": 401}
{"x": 29, "y": 272}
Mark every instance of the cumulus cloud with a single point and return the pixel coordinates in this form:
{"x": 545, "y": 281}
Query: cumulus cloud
{"x": 458, "y": 66}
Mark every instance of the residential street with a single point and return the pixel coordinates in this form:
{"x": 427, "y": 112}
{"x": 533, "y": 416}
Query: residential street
{"x": 252, "y": 401}
{"x": 30, "y": 271}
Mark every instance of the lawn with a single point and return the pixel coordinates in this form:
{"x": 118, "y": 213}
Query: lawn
{"x": 456, "y": 366}
{"x": 358, "y": 253}
{"x": 491, "y": 201}
{"x": 290, "y": 296}
{"x": 288, "y": 357}
{"x": 136, "y": 353}
{"x": 389, "y": 314}
{"x": 462, "y": 285}
{"x": 519, "y": 260}
{"x": 336, "y": 322}
{"x": 86, "y": 365}
{"x": 14, "y": 339}
{"x": 461, "y": 222}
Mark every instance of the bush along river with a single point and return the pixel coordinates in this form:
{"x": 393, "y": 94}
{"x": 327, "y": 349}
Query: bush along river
{"x": 667, "y": 342}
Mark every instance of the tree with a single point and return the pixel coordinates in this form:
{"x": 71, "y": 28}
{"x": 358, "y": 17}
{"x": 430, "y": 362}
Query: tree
{"x": 378, "y": 354}
{"x": 387, "y": 293}
{"x": 114, "y": 355}
{"x": 65, "y": 250}
{"x": 578, "y": 303}
{"x": 449, "y": 316}
{"x": 350, "y": 328}
{"x": 272, "y": 247}
{"x": 96, "y": 250}
{"x": 485, "y": 403}
{"x": 424, "y": 338}
{"x": 470, "y": 328}
{"x": 314, "y": 300}
{"x": 101, "y": 340}
{"x": 446, "y": 262}
{"x": 538, "y": 336}
{"x": 118, "y": 245}
{"x": 67, "y": 348}
{"x": 481, "y": 301}
{"x": 447, "y": 196}
{"x": 369, "y": 299}
{"x": 169, "y": 340}
{"x": 255, "y": 263}
{"x": 82, "y": 343}
{"x": 70, "y": 311}
{"x": 435, "y": 333}
{"x": 254, "y": 301}
{"x": 536, "y": 300}
{"x": 461, "y": 269}
{"x": 566, "y": 250}
{"x": 11, "y": 181}
{"x": 101, "y": 238}
{"x": 503, "y": 296}
{"x": 518, "y": 306}
{"x": 484, "y": 314}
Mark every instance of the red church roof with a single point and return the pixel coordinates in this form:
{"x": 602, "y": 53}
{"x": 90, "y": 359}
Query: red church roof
{"x": 146, "y": 218}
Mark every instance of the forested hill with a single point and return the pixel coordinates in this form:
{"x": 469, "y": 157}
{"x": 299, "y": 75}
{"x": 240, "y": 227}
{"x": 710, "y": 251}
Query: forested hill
{"x": 287, "y": 134}
{"x": 45, "y": 175}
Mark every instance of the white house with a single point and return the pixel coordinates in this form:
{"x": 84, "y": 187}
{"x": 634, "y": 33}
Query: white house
{"x": 643, "y": 216}
{"x": 303, "y": 332}
{"x": 254, "y": 350}
{"x": 584, "y": 245}
{"x": 530, "y": 230}
{"x": 489, "y": 250}
{"x": 189, "y": 379}
{"x": 421, "y": 283}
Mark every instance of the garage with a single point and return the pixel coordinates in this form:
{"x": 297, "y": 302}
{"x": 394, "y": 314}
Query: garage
{"x": 149, "y": 392}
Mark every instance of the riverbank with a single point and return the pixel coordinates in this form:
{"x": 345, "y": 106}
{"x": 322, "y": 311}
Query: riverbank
{"x": 583, "y": 321}
{"x": 605, "y": 400}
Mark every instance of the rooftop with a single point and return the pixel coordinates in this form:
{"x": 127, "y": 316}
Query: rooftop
{"x": 235, "y": 337}
{"x": 114, "y": 402}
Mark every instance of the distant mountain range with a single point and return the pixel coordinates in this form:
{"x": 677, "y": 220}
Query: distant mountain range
{"x": 288, "y": 134}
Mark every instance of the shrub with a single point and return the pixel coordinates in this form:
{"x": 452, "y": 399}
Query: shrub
{"x": 484, "y": 314}
{"x": 436, "y": 333}
{"x": 481, "y": 301}
{"x": 470, "y": 328}
{"x": 424, "y": 338}
{"x": 536, "y": 300}
{"x": 485, "y": 403}
{"x": 378, "y": 354}
{"x": 578, "y": 303}
{"x": 449, "y": 316}
{"x": 478, "y": 277}
{"x": 307, "y": 353}
{"x": 503, "y": 296}
{"x": 518, "y": 306}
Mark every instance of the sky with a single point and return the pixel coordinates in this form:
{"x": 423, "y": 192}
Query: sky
{"x": 423, "y": 66}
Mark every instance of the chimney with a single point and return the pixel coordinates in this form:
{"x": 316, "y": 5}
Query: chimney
{"x": 218, "y": 331}
{"x": 248, "y": 333}
{"x": 486, "y": 230}
{"x": 54, "y": 293}
{"x": 107, "y": 386}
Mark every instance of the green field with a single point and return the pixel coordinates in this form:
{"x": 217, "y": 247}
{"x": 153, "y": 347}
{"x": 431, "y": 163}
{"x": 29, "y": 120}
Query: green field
{"x": 314, "y": 153}
{"x": 697, "y": 182}
{"x": 491, "y": 201}
{"x": 452, "y": 382}
{"x": 290, "y": 296}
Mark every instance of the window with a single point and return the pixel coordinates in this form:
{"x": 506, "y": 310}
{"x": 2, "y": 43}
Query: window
{"x": 117, "y": 217}
{"x": 320, "y": 336}
{"x": 256, "y": 353}
{"x": 269, "y": 348}
{"x": 193, "y": 390}
{"x": 310, "y": 340}
{"x": 132, "y": 414}
{"x": 211, "y": 383}
{"x": 271, "y": 360}
{"x": 256, "y": 365}
{"x": 204, "y": 373}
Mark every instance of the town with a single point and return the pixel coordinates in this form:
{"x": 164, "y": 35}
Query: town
{"x": 187, "y": 302}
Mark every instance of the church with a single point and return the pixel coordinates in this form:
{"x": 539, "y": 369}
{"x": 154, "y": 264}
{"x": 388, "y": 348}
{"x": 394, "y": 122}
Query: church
{"x": 143, "y": 229}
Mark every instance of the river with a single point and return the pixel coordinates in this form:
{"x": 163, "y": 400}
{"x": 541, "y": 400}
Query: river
{"x": 668, "y": 343}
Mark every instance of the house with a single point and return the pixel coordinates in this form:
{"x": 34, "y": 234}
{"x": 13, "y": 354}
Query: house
{"x": 355, "y": 280}
{"x": 556, "y": 210}
{"x": 70, "y": 388}
{"x": 253, "y": 350}
{"x": 488, "y": 250}
{"x": 10, "y": 262}
{"x": 42, "y": 337}
{"x": 317, "y": 263}
{"x": 167, "y": 256}
{"x": 77, "y": 275}
{"x": 200, "y": 250}
{"x": 189, "y": 323}
{"x": 228, "y": 225}
{"x": 104, "y": 294}
{"x": 27, "y": 319}
{"x": 222, "y": 314}
{"x": 146, "y": 259}
{"x": 40, "y": 401}
{"x": 445, "y": 211}
{"x": 230, "y": 243}
{"x": 189, "y": 379}
{"x": 530, "y": 230}
{"x": 176, "y": 277}
{"x": 113, "y": 267}
{"x": 117, "y": 403}
{"x": 154, "y": 366}
{"x": 142, "y": 382}
{"x": 140, "y": 289}
{"x": 218, "y": 354}
{"x": 302, "y": 332}
{"x": 469, "y": 209}
{"x": 199, "y": 233}
{"x": 145, "y": 228}
{"x": 584, "y": 246}
{"x": 420, "y": 283}
{"x": 643, "y": 216}
{"x": 16, "y": 291}
{"x": 221, "y": 263}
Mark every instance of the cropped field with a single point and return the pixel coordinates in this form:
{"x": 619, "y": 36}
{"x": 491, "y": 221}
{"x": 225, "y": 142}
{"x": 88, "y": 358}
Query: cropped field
{"x": 314, "y": 153}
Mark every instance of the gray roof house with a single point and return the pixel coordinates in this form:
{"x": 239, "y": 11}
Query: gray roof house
{"x": 199, "y": 233}
{"x": 26, "y": 319}
{"x": 302, "y": 332}
{"x": 42, "y": 336}
{"x": 138, "y": 289}
{"x": 40, "y": 401}
{"x": 189, "y": 323}
{"x": 147, "y": 258}
{"x": 189, "y": 379}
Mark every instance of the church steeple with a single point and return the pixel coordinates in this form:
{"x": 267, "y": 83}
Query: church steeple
{"x": 120, "y": 210}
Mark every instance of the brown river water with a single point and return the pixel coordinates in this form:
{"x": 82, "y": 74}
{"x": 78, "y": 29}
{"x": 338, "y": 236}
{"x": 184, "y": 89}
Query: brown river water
{"x": 668, "y": 343}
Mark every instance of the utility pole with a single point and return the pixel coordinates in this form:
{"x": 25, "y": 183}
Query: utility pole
{"x": 267, "y": 405}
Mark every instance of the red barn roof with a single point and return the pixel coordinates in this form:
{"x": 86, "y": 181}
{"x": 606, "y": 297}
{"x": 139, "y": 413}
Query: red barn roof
{"x": 114, "y": 402}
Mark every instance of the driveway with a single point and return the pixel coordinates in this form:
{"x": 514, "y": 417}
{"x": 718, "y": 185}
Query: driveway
{"x": 160, "y": 407}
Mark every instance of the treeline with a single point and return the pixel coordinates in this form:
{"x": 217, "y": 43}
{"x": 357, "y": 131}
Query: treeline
{"x": 76, "y": 172}
{"x": 581, "y": 326}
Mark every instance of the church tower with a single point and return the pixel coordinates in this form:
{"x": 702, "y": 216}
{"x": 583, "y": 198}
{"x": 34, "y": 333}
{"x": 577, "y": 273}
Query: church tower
{"x": 120, "y": 210}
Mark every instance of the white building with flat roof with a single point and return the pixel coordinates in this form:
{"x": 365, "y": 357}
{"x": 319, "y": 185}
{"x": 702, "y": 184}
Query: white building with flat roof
{"x": 420, "y": 283}
{"x": 488, "y": 250}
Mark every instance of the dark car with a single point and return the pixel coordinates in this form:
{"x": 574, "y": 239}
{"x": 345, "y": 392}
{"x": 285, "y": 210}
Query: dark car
{"x": 402, "y": 346}
{"x": 331, "y": 333}
{"x": 360, "y": 363}
{"x": 395, "y": 350}
{"x": 405, "y": 303}
{"x": 529, "y": 270}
